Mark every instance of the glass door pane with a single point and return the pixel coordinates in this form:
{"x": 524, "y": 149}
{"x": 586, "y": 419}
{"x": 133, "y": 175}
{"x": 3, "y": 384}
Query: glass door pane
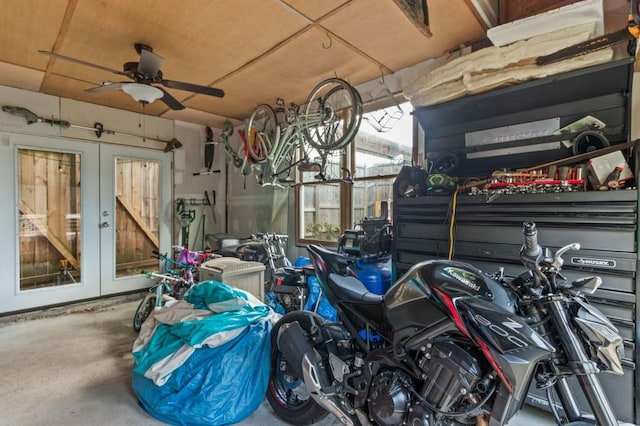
{"x": 49, "y": 218}
{"x": 137, "y": 215}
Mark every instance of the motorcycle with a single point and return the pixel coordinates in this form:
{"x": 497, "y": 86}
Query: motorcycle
{"x": 290, "y": 286}
{"x": 446, "y": 345}
{"x": 366, "y": 251}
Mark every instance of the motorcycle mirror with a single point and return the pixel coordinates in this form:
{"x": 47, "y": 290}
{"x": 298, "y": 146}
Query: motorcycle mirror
{"x": 587, "y": 284}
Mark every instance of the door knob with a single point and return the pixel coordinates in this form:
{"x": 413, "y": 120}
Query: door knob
{"x": 104, "y": 225}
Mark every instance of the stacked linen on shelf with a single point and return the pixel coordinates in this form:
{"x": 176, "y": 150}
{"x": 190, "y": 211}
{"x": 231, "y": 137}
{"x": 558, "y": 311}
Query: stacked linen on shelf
{"x": 204, "y": 360}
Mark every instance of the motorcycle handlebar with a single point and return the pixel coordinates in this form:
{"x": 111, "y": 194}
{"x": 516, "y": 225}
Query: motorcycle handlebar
{"x": 531, "y": 248}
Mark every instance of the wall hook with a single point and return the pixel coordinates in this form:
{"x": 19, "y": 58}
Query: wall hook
{"x": 330, "y": 42}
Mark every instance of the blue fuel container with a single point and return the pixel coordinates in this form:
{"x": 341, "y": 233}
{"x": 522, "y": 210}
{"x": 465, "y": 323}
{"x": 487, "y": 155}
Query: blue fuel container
{"x": 376, "y": 276}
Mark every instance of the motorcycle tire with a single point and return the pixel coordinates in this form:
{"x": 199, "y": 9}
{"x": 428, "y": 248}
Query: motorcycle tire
{"x": 281, "y": 394}
{"x": 142, "y": 313}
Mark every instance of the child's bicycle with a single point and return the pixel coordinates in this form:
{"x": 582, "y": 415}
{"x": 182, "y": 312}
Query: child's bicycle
{"x": 178, "y": 277}
{"x": 168, "y": 288}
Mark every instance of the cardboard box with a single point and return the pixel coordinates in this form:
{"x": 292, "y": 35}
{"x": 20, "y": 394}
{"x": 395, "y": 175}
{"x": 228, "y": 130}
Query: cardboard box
{"x": 600, "y": 167}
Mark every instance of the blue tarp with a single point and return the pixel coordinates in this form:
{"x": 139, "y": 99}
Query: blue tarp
{"x": 325, "y": 308}
{"x": 215, "y": 385}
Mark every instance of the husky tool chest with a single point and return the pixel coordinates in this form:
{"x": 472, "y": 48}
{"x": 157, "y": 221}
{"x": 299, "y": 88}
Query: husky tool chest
{"x": 488, "y": 225}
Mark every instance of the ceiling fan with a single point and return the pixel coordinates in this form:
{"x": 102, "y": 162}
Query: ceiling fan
{"x": 144, "y": 74}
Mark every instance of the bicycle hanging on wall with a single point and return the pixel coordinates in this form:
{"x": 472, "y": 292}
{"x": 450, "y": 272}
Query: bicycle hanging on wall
{"x": 303, "y": 136}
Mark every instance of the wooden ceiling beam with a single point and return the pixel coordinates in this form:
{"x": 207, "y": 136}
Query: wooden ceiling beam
{"x": 62, "y": 33}
{"x": 295, "y": 11}
{"x": 336, "y": 10}
{"x": 383, "y": 68}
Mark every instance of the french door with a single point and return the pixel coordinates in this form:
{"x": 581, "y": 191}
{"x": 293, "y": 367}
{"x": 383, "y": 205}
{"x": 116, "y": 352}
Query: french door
{"x": 135, "y": 215}
{"x": 84, "y": 219}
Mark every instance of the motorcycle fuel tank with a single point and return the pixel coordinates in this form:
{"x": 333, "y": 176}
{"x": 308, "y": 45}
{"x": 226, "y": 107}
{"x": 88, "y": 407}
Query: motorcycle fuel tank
{"x": 411, "y": 301}
{"x": 453, "y": 278}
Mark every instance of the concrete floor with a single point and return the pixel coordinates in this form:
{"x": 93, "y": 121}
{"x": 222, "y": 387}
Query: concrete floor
{"x": 75, "y": 369}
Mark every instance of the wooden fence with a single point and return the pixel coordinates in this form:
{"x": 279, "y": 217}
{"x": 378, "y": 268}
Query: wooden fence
{"x": 50, "y": 219}
{"x": 137, "y": 214}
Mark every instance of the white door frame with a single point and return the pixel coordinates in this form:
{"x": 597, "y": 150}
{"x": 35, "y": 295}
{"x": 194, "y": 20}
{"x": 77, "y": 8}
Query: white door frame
{"x": 11, "y": 297}
{"x": 96, "y": 278}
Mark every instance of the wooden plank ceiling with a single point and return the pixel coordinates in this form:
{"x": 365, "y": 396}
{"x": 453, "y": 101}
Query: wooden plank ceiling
{"x": 255, "y": 50}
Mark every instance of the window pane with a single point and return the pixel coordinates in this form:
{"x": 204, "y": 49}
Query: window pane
{"x": 380, "y": 154}
{"x": 332, "y": 167}
{"x": 377, "y": 154}
{"x": 320, "y": 213}
{"x": 370, "y": 198}
{"x": 49, "y": 218}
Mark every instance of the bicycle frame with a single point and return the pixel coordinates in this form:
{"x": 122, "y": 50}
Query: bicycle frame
{"x": 287, "y": 138}
{"x": 165, "y": 289}
{"x": 273, "y": 140}
{"x": 187, "y": 262}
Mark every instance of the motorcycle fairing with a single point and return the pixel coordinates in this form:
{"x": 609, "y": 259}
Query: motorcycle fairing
{"x": 602, "y": 336}
{"x": 503, "y": 330}
{"x": 518, "y": 368}
{"x": 512, "y": 347}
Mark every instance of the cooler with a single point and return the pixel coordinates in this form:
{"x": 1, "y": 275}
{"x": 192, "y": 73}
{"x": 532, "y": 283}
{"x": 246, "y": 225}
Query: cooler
{"x": 245, "y": 275}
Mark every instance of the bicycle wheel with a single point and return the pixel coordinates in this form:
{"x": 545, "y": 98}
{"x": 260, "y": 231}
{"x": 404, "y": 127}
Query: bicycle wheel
{"x": 261, "y": 132}
{"x": 333, "y": 113}
{"x": 144, "y": 310}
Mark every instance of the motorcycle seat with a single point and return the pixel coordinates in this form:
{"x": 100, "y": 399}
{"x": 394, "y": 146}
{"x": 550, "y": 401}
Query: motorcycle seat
{"x": 351, "y": 289}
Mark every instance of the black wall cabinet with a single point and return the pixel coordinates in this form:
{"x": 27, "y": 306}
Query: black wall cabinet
{"x": 601, "y": 91}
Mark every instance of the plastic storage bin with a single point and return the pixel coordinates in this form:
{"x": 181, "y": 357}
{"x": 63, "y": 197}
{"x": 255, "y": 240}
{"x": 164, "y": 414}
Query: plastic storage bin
{"x": 245, "y": 275}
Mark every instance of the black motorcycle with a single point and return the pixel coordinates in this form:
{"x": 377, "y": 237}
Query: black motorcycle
{"x": 446, "y": 345}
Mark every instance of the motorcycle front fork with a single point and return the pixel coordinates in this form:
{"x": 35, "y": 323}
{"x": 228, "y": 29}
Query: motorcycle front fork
{"x": 584, "y": 369}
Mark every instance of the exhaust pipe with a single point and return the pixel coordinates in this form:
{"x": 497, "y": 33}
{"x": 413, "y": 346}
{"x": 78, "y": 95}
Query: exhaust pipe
{"x": 294, "y": 345}
{"x": 306, "y": 362}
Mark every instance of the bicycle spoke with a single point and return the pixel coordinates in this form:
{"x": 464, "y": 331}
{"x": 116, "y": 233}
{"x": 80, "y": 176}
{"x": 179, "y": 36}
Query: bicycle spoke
{"x": 329, "y": 135}
{"x": 332, "y": 100}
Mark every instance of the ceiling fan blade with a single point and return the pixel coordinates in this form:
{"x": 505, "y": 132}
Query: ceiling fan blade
{"x": 78, "y": 61}
{"x": 171, "y": 102}
{"x": 150, "y": 63}
{"x": 105, "y": 87}
{"x": 203, "y": 90}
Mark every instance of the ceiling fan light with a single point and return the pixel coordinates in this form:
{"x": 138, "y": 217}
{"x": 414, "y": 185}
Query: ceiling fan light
{"x": 142, "y": 92}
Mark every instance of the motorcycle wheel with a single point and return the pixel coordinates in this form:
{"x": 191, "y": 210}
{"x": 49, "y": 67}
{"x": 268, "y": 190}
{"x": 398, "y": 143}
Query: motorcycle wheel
{"x": 144, "y": 310}
{"x": 287, "y": 393}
